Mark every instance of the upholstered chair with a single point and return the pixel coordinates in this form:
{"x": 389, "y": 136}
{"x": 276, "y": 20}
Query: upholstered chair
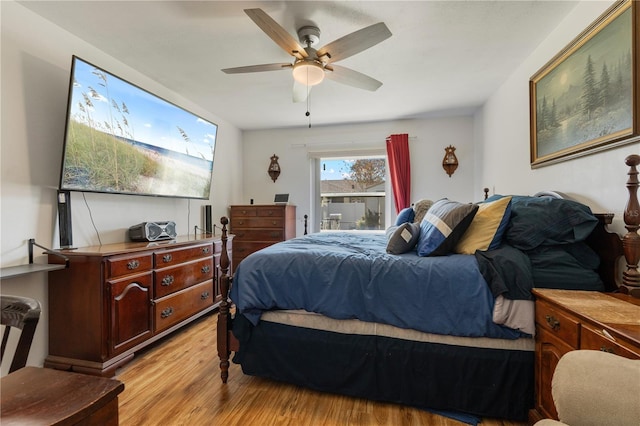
{"x": 595, "y": 388}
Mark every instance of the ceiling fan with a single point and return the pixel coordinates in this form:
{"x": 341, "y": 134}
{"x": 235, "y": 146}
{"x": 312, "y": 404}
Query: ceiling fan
{"x": 310, "y": 65}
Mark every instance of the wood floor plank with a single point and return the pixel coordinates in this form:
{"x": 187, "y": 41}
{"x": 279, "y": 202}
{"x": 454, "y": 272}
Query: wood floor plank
{"x": 176, "y": 381}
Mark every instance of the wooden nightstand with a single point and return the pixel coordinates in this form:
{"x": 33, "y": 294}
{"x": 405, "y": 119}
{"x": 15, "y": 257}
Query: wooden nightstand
{"x": 567, "y": 320}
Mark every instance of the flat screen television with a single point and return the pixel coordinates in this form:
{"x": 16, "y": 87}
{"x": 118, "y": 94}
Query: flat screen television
{"x": 121, "y": 139}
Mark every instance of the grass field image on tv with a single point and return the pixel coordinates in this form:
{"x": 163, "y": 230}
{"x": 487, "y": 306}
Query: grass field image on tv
{"x": 122, "y": 139}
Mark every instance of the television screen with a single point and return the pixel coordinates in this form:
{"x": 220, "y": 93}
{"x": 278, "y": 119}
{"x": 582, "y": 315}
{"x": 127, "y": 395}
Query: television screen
{"x": 121, "y": 139}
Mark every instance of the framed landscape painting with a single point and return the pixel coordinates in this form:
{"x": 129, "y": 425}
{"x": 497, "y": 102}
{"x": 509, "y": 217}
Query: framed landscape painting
{"x": 586, "y": 98}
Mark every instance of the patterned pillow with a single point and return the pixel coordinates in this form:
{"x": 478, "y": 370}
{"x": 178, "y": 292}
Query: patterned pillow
{"x": 405, "y": 215}
{"x": 402, "y": 238}
{"x": 443, "y": 225}
{"x": 487, "y": 228}
{"x": 421, "y": 207}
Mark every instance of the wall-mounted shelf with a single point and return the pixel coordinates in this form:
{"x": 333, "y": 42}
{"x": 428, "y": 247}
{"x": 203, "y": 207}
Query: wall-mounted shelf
{"x": 16, "y": 271}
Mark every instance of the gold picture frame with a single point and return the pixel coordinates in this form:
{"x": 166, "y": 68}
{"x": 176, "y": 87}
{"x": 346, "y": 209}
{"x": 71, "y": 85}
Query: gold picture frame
{"x": 586, "y": 99}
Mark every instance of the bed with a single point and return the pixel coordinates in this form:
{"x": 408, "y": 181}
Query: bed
{"x": 427, "y": 322}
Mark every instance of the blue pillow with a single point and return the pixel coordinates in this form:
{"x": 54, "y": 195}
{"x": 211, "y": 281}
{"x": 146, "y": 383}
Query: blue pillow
{"x": 443, "y": 225}
{"x": 537, "y": 221}
{"x": 558, "y": 267}
{"x": 406, "y": 215}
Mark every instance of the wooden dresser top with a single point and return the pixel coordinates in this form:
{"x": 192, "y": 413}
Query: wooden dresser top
{"x": 129, "y": 247}
{"x": 619, "y": 312}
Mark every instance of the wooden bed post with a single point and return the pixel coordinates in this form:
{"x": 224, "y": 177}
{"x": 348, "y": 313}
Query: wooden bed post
{"x": 631, "y": 240}
{"x": 224, "y": 316}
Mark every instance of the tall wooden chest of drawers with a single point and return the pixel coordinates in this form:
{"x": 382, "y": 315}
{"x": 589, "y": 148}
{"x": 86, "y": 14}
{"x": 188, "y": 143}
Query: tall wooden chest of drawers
{"x": 258, "y": 226}
{"x": 115, "y": 299}
{"x": 567, "y": 320}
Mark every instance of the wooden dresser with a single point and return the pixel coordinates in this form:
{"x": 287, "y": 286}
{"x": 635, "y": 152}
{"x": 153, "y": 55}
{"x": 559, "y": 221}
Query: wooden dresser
{"x": 118, "y": 298}
{"x": 567, "y": 320}
{"x": 258, "y": 226}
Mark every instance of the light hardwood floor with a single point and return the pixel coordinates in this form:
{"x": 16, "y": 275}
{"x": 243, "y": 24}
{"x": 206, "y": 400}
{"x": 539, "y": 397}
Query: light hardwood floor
{"x": 177, "y": 382}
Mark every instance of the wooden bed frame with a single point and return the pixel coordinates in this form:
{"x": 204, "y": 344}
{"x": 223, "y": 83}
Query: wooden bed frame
{"x": 609, "y": 246}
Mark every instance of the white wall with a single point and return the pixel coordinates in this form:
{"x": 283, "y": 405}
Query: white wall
{"x": 492, "y": 148}
{"x": 296, "y": 147}
{"x": 502, "y": 133}
{"x": 36, "y": 60}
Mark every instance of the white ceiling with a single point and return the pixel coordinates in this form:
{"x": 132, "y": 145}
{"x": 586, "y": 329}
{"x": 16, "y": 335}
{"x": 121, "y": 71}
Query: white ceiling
{"x": 444, "y": 57}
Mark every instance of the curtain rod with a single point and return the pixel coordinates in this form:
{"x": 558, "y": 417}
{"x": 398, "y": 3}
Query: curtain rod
{"x": 303, "y": 145}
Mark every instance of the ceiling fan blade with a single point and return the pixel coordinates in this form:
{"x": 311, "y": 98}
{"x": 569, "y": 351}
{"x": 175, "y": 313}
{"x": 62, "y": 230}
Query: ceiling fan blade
{"x": 300, "y": 92}
{"x": 257, "y": 68}
{"x": 277, "y": 33}
{"x": 354, "y": 43}
{"x": 352, "y": 78}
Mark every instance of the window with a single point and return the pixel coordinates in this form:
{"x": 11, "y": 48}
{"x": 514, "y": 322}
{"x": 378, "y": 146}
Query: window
{"x": 352, "y": 193}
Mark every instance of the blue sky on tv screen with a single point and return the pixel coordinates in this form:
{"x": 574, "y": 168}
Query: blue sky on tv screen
{"x": 110, "y": 104}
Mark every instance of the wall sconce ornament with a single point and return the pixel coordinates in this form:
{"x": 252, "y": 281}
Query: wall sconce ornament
{"x": 274, "y": 168}
{"x": 450, "y": 161}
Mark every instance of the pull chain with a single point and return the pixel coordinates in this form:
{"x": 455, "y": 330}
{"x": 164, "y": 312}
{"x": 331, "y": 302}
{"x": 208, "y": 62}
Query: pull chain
{"x": 308, "y": 114}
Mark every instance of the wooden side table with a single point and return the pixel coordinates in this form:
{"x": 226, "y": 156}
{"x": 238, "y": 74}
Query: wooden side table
{"x": 44, "y": 396}
{"x": 568, "y": 320}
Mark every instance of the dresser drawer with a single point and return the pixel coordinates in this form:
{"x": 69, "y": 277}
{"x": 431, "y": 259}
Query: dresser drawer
{"x": 273, "y": 235}
{"x": 244, "y": 211}
{"x": 256, "y": 222}
{"x": 169, "y": 280}
{"x": 174, "y": 257}
{"x": 118, "y": 266}
{"x": 591, "y": 338}
{"x": 565, "y": 327}
{"x": 244, "y": 248}
{"x": 269, "y": 211}
{"x": 181, "y": 305}
{"x": 252, "y": 211}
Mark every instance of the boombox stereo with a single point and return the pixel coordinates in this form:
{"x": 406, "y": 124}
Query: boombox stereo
{"x": 153, "y": 231}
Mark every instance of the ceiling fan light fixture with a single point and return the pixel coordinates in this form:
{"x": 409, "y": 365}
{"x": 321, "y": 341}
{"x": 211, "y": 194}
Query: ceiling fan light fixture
{"x": 308, "y": 73}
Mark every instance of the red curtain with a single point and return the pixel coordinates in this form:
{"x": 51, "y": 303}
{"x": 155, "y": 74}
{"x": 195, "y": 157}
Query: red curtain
{"x": 400, "y": 169}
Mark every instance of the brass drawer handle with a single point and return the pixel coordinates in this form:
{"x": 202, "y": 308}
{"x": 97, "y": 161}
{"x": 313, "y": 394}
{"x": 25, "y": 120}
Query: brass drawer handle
{"x": 205, "y": 250}
{"x": 205, "y": 269}
{"x": 204, "y": 295}
{"x": 167, "y": 312}
{"x": 241, "y": 222}
{"x": 274, "y": 223}
{"x": 167, "y": 280}
{"x": 244, "y": 212}
{"x": 167, "y": 258}
{"x": 553, "y": 322}
{"x": 606, "y": 349}
{"x": 270, "y": 213}
{"x": 133, "y": 264}
{"x": 275, "y": 234}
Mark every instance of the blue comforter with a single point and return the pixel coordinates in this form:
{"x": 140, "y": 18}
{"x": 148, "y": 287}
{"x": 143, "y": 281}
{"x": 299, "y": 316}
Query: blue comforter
{"x": 348, "y": 275}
